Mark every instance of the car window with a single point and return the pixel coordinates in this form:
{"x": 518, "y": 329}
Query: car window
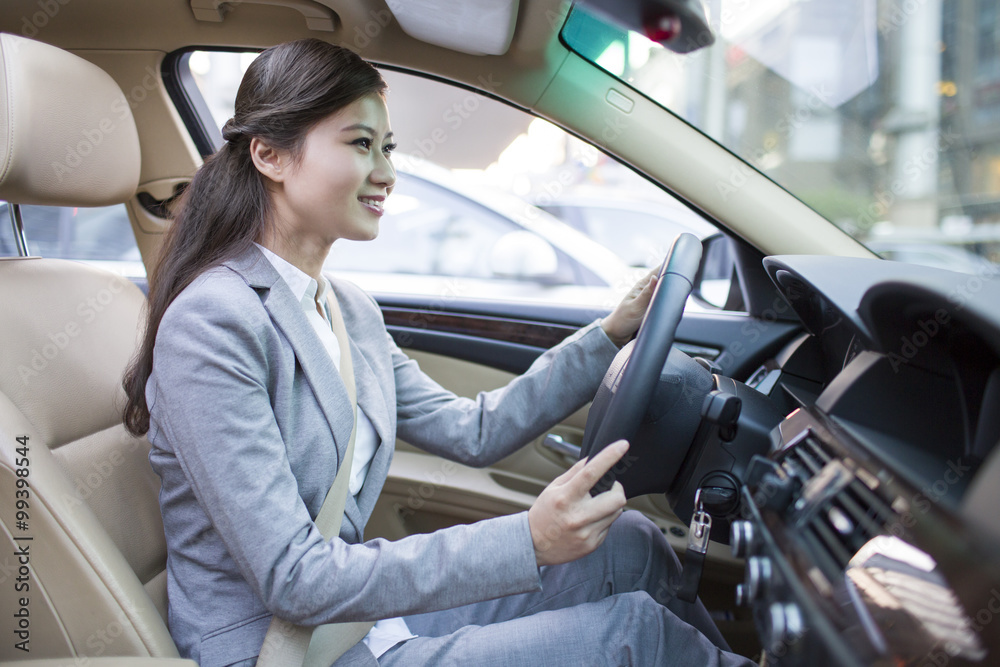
{"x": 651, "y": 232}
{"x": 879, "y": 114}
{"x": 490, "y": 202}
{"x": 431, "y": 230}
{"x": 102, "y": 234}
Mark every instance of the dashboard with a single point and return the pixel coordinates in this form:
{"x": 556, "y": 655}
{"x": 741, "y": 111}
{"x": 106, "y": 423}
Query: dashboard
{"x": 871, "y": 530}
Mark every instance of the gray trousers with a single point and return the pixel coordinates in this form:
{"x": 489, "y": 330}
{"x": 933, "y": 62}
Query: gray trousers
{"x": 614, "y": 607}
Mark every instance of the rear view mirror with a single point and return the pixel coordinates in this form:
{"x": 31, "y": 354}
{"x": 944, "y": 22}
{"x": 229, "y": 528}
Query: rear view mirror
{"x": 679, "y": 25}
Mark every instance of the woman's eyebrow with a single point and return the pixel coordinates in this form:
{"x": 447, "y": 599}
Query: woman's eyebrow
{"x": 366, "y": 128}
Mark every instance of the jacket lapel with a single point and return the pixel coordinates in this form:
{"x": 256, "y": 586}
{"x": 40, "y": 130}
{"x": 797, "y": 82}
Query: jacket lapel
{"x": 325, "y": 380}
{"x": 316, "y": 364}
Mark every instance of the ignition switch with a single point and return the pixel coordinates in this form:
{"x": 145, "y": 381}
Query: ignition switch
{"x": 720, "y": 494}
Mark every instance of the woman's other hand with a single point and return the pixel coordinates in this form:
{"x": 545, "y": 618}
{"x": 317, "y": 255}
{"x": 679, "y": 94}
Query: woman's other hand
{"x": 621, "y": 324}
{"x": 566, "y": 522}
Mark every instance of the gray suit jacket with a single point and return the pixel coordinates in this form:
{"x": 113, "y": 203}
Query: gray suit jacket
{"x": 249, "y": 421}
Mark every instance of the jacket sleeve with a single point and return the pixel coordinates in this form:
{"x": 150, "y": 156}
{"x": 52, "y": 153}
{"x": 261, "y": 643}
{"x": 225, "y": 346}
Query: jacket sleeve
{"x": 210, "y": 408}
{"x": 483, "y": 430}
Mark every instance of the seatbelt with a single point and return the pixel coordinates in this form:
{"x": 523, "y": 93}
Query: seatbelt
{"x": 290, "y": 645}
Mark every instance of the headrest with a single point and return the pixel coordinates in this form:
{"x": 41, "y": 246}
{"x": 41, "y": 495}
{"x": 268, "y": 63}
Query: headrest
{"x": 68, "y": 136}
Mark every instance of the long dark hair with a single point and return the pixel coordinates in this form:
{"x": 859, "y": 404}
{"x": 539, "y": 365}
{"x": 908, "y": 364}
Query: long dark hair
{"x": 285, "y": 92}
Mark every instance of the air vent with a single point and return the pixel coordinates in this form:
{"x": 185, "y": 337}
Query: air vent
{"x": 836, "y": 513}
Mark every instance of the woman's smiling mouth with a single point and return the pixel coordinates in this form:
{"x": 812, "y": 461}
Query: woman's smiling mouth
{"x": 373, "y": 204}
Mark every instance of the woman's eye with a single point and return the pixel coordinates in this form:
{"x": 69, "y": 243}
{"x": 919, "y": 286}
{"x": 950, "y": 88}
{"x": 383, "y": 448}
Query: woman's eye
{"x": 388, "y": 148}
{"x": 364, "y": 142}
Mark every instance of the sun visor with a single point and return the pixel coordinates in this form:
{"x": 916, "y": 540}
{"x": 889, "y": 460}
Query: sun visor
{"x": 478, "y": 27}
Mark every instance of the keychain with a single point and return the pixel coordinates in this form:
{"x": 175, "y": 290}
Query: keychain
{"x": 697, "y": 547}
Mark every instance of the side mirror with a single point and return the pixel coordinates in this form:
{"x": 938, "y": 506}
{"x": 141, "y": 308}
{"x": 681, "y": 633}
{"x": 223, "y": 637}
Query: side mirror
{"x": 679, "y": 25}
{"x": 716, "y": 282}
{"x": 522, "y": 255}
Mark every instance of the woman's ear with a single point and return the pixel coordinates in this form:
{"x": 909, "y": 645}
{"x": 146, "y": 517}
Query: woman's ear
{"x": 269, "y": 161}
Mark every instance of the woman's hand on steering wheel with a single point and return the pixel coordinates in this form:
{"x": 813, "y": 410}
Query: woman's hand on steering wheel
{"x": 630, "y": 383}
{"x": 624, "y": 321}
{"x": 566, "y": 522}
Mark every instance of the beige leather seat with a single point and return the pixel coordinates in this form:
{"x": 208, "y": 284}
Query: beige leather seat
{"x": 92, "y": 575}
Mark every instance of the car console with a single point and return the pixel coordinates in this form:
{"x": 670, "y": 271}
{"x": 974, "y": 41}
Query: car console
{"x": 863, "y": 541}
{"x": 835, "y": 569}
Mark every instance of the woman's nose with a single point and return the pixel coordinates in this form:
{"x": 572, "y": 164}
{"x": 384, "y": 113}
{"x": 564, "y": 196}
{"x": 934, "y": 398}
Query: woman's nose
{"x": 384, "y": 173}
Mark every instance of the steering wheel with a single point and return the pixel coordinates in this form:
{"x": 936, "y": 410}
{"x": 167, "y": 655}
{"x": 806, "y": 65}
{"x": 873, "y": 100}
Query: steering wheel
{"x": 628, "y": 386}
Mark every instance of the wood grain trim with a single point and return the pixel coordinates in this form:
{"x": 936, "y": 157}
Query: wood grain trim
{"x": 524, "y": 332}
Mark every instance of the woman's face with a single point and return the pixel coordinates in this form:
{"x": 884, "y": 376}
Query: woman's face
{"x": 337, "y": 188}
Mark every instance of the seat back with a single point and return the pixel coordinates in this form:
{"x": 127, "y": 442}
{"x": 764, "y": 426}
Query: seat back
{"x": 82, "y": 550}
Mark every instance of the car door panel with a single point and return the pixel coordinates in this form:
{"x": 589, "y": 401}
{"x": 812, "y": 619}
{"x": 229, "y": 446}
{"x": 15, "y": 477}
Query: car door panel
{"x": 509, "y": 336}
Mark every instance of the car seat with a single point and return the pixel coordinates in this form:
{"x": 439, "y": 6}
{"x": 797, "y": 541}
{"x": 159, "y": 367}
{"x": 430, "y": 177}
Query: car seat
{"x": 83, "y": 557}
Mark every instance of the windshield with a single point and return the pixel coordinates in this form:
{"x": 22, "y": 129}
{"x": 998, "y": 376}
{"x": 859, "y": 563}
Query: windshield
{"x": 882, "y": 115}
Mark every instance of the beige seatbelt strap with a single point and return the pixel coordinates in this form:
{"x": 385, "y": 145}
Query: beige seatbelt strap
{"x": 290, "y": 645}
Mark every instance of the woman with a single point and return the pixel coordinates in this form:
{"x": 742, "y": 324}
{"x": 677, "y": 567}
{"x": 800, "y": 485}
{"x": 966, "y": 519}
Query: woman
{"x": 237, "y": 384}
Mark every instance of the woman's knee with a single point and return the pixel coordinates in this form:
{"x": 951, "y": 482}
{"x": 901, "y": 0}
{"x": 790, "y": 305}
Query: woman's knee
{"x": 633, "y": 520}
{"x": 636, "y": 535}
{"x": 637, "y": 557}
{"x": 634, "y": 604}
